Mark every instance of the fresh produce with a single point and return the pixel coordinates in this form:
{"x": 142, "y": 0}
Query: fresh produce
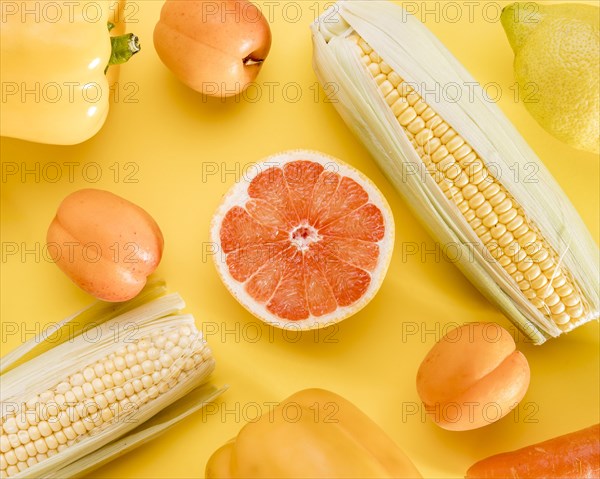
{"x": 557, "y": 59}
{"x": 515, "y": 235}
{"x": 312, "y": 434}
{"x": 472, "y": 377}
{"x": 68, "y": 403}
{"x": 304, "y": 240}
{"x": 53, "y": 67}
{"x": 107, "y": 245}
{"x": 214, "y": 47}
{"x": 575, "y": 455}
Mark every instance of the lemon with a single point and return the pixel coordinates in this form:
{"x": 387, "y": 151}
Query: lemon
{"x": 557, "y": 67}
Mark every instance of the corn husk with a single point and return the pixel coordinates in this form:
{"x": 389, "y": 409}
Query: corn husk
{"x": 411, "y": 50}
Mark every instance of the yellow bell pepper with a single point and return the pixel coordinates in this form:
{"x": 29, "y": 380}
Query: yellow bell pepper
{"x": 54, "y": 59}
{"x": 312, "y": 434}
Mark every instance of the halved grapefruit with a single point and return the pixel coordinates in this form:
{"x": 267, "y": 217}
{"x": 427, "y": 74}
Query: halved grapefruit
{"x": 304, "y": 239}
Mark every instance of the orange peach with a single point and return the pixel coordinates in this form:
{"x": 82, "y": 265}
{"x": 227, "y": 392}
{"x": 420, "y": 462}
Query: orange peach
{"x": 472, "y": 377}
{"x": 216, "y": 47}
{"x": 107, "y": 245}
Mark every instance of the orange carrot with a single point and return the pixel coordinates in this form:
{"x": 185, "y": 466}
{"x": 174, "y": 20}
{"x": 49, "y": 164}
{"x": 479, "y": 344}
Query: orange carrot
{"x": 574, "y": 455}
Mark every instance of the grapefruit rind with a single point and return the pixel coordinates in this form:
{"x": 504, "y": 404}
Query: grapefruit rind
{"x": 238, "y": 196}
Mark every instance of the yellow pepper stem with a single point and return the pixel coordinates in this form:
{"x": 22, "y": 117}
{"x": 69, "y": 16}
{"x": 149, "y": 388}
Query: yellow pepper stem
{"x": 123, "y": 48}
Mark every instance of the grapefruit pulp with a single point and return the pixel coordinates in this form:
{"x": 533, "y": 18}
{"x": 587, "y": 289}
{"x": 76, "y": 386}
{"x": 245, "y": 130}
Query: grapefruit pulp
{"x": 304, "y": 239}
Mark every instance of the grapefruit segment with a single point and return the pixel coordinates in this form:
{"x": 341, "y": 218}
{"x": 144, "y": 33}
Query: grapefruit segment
{"x": 270, "y": 185}
{"x": 321, "y": 299}
{"x": 325, "y": 187}
{"x": 289, "y": 300}
{"x": 263, "y": 283}
{"x": 301, "y": 178}
{"x": 366, "y": 223}
{"x": 244, "y": 262}
{"x": 240, "y": 230}
{"x": 362, "y": 254}
{"x": 306, "y": 240}
{"x": 349, "y": 196}
{"x": 348, "y": 283}
{"x": 267, "y": 215}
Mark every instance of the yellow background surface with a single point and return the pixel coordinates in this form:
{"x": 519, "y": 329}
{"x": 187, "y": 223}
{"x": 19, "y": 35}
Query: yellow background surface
{"x": 173, "y": 135}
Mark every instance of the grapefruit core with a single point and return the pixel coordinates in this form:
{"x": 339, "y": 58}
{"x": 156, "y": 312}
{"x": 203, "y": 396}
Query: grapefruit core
{"x": 304, "y": 239}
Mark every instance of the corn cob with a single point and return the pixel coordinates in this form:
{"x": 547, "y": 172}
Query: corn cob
{"x": 542, "y": 279}
{"x": 80, "y": 395}
{"x": 491, "y": 211}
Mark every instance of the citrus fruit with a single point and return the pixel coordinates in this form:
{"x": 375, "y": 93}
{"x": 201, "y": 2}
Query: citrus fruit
{"x": 304, "y": 239}
{"x": 557, "y": 59}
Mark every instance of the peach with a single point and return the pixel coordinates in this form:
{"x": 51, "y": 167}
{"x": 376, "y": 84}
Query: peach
{"x": 472, "y": 377}
{"x": 107, "y": 245}
{"x": 216, "y": 47}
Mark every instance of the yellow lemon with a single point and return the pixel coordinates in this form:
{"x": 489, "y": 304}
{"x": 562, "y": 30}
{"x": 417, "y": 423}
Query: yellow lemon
{"x": 557, "y": 49}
